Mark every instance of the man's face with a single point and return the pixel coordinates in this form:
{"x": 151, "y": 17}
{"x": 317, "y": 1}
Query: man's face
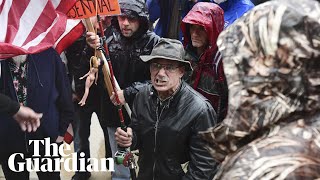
{"x": 165, "y": 76}
{"x": 128, "y": 26}
{"x": 199, "y": 36}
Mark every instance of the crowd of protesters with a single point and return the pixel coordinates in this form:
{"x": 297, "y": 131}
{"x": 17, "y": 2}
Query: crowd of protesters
{"x": 180, "y": 82}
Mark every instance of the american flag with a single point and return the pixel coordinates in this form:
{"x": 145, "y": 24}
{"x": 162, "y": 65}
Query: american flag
{"x": 30, "y": 26}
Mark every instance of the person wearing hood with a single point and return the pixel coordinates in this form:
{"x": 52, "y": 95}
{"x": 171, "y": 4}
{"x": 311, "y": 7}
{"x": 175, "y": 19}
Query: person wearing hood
{"x": 201, "y": 28}
{"x": 128, "y": 39}
{"x": 233, "y": 9}
{"x": 168, "y": 14}
{"x": 40, "y": 82}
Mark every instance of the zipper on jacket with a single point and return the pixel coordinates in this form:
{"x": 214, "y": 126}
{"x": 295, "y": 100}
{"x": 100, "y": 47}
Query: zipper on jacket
{"x": 155, "y": 135}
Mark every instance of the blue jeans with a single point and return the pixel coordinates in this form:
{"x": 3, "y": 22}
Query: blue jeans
{"x": 120, "y": 172}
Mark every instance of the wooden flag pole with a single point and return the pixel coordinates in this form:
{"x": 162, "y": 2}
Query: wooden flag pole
{"x": 107, "y": 80}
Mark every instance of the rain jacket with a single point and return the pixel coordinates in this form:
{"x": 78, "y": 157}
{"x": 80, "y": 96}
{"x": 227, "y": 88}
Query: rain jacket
{"x": 166, "y": 134}
{"x": 48, "y": 92}
{"x": 130, "y": 71}
{"x": 161, "y": 10}
{"x": 234, "y": 9}
{"x": 207, "y": 77}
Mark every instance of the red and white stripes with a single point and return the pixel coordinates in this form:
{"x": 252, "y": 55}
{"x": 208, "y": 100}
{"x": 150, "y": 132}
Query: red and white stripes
{"x": 28, "y": 27}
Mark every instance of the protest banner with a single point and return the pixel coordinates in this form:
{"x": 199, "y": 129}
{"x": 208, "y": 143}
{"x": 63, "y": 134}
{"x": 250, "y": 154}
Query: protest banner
{"x": 88, "y": 8}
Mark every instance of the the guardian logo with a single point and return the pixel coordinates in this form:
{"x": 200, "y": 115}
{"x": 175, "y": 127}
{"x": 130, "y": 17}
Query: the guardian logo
{"x": 52, "y": 161}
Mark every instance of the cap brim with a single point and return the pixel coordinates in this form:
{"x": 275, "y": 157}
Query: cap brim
{"x": 147, "y": 58}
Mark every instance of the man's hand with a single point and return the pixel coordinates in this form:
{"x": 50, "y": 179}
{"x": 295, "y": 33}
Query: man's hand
{"x": 124, "y": 139}
{"x": 28, "y": 119}
{"x": 93, "y": 40}
{"x": 121, "y": 98}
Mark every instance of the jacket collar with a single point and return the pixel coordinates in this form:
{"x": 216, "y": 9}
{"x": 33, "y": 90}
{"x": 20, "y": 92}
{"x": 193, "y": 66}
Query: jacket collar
{"x": 171, "y": 99}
